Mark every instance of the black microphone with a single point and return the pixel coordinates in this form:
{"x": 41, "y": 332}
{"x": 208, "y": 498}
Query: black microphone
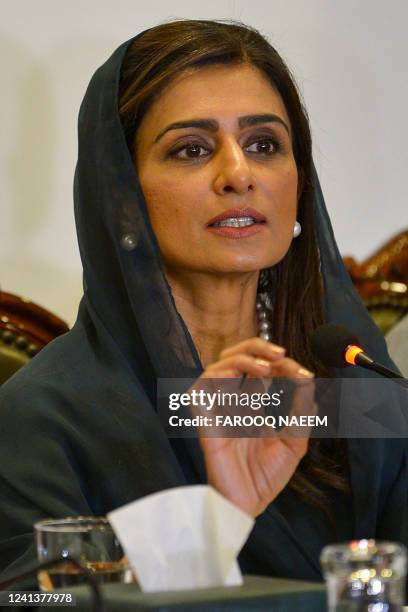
{"x": 336, "y": 347}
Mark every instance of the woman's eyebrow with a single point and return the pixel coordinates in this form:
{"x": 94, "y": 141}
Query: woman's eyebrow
{"x": 212, "y": 126}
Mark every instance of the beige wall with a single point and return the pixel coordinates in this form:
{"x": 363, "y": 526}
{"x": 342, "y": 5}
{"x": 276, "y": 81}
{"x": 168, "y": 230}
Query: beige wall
{"x": 350, "y": 61}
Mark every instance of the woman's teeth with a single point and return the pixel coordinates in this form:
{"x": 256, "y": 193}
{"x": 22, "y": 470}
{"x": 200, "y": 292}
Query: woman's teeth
{"x": 234, "y": 222}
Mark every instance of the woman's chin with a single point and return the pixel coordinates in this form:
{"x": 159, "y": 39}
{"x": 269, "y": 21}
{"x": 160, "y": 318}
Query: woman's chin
{"x": 245, "y": 264}
{"x": 241, "y": 267}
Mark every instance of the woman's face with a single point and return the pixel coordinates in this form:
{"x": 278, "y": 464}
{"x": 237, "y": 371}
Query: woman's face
{"x": 216, "y": 142}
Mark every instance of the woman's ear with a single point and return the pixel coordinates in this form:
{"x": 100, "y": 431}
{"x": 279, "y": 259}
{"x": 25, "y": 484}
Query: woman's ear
{"x": 301, "y": 183}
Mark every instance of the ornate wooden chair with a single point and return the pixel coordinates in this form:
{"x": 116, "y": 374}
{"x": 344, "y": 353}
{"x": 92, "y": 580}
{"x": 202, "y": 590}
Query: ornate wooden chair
{"x": 382, "y": 281}
{"x": 25, "y": 328}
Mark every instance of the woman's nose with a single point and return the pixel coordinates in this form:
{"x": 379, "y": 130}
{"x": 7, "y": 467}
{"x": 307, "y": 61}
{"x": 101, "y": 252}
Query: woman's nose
{"x": 234, "y": 174}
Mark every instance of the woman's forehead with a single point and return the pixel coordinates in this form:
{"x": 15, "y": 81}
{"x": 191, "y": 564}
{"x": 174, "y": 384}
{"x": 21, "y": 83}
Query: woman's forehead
{"x": 221, "y": 92}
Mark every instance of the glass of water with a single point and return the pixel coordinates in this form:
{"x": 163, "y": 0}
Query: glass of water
{"x": 365, "y": 576}
{"x": 89, "y": 540}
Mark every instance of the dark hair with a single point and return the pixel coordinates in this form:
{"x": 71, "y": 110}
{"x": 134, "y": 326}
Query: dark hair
{"x": 152, "y": 61}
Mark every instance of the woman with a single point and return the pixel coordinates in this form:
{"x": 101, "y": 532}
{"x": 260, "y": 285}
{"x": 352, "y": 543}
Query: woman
{"x": 209, "y": 124}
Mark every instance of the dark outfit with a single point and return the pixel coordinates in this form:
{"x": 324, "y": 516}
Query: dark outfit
{"x": 79, "y": 433}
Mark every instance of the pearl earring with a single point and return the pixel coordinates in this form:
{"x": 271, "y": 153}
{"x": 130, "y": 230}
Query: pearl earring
{"x": 297, "y": 229}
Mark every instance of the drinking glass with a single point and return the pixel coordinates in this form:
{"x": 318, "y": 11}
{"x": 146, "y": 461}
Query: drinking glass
{"x": 89, "y": 540}
{"x": 365, "y": 575}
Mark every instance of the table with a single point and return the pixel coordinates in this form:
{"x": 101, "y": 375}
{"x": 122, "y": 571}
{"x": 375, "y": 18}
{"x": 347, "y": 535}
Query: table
{"x": 257, "y": 593}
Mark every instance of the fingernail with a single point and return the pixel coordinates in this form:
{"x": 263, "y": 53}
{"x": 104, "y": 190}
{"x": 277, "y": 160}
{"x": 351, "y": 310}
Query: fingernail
{"x": 306, "y": 373}
{"x": 278, "y": 349}
{"x": 263, "y": 363}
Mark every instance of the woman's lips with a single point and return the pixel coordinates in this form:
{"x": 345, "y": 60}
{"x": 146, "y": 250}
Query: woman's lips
{"x": 237, "y": 232}
{"x": 236, "y": 213}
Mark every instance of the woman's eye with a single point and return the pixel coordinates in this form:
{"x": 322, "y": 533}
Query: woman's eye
{"x": 190, "y": 151}
{"x": 264, "y": 146}
{"x": 194, "y": 151}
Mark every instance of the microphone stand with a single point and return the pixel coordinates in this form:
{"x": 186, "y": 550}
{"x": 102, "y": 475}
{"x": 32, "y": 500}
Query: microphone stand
{"x": 366, "y": 362}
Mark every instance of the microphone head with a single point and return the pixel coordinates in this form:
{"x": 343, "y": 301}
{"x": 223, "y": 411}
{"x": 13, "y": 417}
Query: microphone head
{"x": 329, "y": 343}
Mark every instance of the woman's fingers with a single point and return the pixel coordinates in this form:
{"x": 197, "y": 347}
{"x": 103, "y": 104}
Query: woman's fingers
{"x": 262, "y": 350}
{"x": 289, "y": 368}
{"x": 255, "y": 347}
{"x": 256, "y": 366}
{"x": 239, "y": 363}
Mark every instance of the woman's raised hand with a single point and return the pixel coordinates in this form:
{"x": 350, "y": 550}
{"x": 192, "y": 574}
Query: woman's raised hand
{"x": 252, "y": 471}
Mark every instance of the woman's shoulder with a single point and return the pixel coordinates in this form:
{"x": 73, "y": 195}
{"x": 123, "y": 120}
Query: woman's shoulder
{"x": 58, "y": 364}
{"x": 65, "y": 377}
{"x": 75, "y": 383}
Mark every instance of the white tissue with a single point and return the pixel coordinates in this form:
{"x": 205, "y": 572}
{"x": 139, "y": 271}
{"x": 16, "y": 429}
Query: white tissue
{"x": 182, "y": 538}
